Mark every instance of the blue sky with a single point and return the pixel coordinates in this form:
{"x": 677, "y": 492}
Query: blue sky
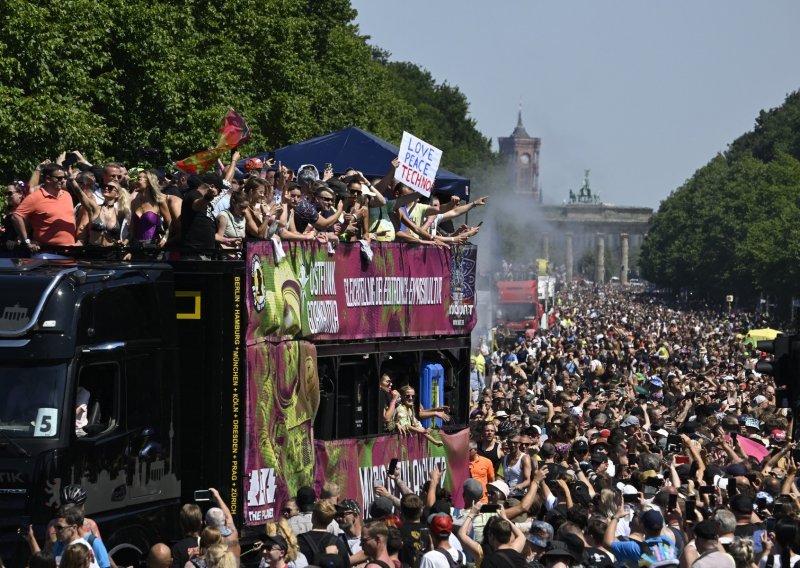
{"x": 642, "y": 93}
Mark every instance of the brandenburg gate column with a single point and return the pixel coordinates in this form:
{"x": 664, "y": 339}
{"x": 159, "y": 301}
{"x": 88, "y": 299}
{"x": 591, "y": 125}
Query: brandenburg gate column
{"x": 624, "y": 245}
{"x": 570, "y": 261}
{"x": 600, "y": 260}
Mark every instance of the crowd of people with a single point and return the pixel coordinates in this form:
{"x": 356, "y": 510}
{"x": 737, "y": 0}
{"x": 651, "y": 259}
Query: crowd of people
{"x": 630, "y": 433}
{"x": 111, "y": 207}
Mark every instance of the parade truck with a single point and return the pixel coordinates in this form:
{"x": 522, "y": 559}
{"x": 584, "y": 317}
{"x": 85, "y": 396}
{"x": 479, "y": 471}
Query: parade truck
{"x": 518, "y": 307}
{"x": 145, "y": 380}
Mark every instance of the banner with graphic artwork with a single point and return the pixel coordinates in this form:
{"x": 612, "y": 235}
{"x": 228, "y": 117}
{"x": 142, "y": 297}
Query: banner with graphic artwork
{"x": 405, "y": 291}
{"x": 281, "y": 454}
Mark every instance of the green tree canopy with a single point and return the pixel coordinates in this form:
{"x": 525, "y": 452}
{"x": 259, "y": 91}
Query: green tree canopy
{"x": 732, "y": 228}
{"x": 108, "y": 77}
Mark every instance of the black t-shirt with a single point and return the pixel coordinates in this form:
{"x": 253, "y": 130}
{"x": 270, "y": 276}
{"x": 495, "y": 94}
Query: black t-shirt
{"x": 747, "y": 530}
{"x": 183, "y": 550}
{"x": 416, "y": 542}
{"x": 596, "y": 557}
{"x": 197, "y": 227}
{"x": 504, "y": 558}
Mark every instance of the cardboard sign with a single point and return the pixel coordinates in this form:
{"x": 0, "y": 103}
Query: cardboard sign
{"x": 419, "y": 162}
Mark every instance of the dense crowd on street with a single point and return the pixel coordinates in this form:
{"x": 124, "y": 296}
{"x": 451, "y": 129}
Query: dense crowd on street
{"x": 114, "y": 209}
{"x": 630, "y": 433}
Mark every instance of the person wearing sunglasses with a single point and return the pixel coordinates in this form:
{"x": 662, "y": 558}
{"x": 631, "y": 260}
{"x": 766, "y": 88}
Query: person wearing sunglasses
{"x": 8, "y": 232}
{"x": 46, "y": 216}
{"x": 102, "y": 225}
{"x": 406, "y": 417}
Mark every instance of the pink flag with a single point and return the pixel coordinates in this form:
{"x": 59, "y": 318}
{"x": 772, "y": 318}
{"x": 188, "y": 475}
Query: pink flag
{"x": 752, "y": 448}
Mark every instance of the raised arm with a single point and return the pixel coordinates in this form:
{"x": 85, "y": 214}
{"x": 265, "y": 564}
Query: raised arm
{"x": 386, "y": 181}
{"x": 230, "y": 171}
{"x": 463, "y": 533}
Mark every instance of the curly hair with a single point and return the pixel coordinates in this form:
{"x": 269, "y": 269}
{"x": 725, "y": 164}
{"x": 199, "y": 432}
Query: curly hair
{"x": 281, "y": 527}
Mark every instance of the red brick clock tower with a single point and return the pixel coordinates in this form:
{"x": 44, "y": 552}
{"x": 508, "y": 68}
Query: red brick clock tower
{"x": 522, "y": 156}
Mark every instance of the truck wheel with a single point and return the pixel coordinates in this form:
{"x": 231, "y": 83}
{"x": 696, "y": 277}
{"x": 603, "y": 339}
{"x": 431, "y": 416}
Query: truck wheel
{"x": 126, "y": 555}
{"x": 129, "y": 547}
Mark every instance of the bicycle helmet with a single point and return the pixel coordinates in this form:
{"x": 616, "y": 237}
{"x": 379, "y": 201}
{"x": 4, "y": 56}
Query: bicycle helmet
{"x": 73, "y": 495}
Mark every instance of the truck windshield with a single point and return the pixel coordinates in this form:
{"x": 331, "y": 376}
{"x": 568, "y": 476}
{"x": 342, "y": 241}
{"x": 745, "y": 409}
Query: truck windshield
{"x": 518, "y": 312}
{"x": 31, "y": 397}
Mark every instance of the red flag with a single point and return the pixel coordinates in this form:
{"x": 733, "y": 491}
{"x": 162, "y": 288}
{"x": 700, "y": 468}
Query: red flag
{"x": 233, "y": 131}
{"x": 201, "y": 161}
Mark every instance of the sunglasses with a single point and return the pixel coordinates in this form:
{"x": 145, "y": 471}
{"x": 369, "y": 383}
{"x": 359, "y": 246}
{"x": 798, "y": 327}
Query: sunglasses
{"x": 327, "y": 199}
{"x": 58, "y": 178}
{"x": 109, "y": 188}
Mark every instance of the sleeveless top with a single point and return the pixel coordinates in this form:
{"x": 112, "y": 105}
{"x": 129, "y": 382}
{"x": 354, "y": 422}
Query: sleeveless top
{"x": 512, "y": 473}
{"x": 234, "y": 228}
{"x": 145, "y": 228}
{"x": 492, "y": 455}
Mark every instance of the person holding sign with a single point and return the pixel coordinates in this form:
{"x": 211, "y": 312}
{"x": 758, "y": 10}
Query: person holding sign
{"x": 413, "y": 215}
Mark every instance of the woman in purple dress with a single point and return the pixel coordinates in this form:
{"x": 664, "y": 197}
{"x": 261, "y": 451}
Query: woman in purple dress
{"x": 150, "y": 217}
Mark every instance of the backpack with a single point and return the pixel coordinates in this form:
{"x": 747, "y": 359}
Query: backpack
{"x": 416, "y": 542}
{"x": 317, "y": 551}
{"x": 658, "y": 551}
{"x": 460, "y": 563}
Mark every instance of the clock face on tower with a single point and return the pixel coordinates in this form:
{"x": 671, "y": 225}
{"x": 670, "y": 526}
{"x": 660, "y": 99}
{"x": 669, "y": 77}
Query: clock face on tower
{"x": 525, "y": 159}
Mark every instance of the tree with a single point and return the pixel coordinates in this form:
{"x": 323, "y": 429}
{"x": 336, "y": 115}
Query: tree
{"x": 732, "y": 227}
{"x": 109, "y": 77}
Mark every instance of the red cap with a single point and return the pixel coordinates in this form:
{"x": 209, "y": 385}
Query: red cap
{"x": 778, "y": 435}
{"x": 441, "y": 524}
{"x": 605, "y": 433}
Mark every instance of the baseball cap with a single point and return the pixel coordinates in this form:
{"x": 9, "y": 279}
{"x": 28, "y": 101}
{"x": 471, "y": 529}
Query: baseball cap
{"x": 778, "y": 435}
{"x": 276, "y": 539}
{"x": 630, "y": 421}
{"x": 440, "y": 524}
{"x": 473, "y": 489}
{"x": 760, "y": 399}
{"x": 501, "y": 414}
{"x": 652, "y": 520}
{"x": 348, "y": 506}
{"x": 381, "y": 507}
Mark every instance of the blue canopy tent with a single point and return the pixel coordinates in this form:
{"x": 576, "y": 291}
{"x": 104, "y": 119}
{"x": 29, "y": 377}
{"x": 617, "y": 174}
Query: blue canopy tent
{"x": 352, "y": 147}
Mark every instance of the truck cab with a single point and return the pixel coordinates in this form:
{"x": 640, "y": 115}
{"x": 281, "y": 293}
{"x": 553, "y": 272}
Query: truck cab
{"x": 519, "y": 310}
{"x": 85, "y": 357}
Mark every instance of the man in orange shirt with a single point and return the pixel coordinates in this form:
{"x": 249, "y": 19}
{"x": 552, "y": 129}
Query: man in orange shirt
{"x": 46, "y": 216}
{"x": 480, "y": 468}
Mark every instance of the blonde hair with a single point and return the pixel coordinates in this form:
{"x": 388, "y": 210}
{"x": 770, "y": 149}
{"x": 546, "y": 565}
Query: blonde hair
{"x": 742, "y": 551}
{"x": 218, "y": 556}
{"x": 209, "y": 537}
{"x": 608, "y": 506}
{"x": 153, "y": 187}
{"x": 124, "y": 201}
{"x": 281, "y": 527}
{"x": 76, "y": 556}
